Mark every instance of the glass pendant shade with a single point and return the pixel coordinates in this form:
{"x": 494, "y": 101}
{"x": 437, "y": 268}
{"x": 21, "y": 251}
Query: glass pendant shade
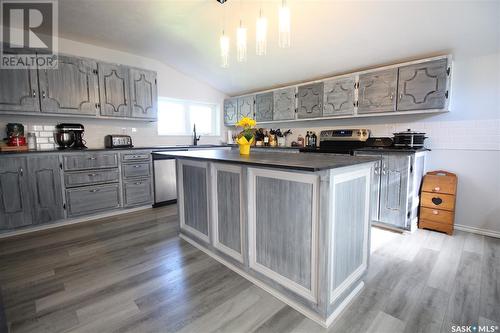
{"x": 261, "y": 35}
{"x": 224, "y": 50}
{"x": 241, "y": 44}
{"x": 284, "y": 26}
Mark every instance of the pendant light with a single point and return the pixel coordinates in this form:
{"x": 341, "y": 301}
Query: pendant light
{"x": 241, "y": 43}
{"x": 261, "y": 34}
{"x": 284, "y": 25}
{"x": 224, "y": 50}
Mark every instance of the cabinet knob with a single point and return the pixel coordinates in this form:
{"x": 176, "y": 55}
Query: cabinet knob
{"x": 21, "y": 172}
{"x": 435, "y": 212}
{"x": 401, "y": 96}
{"x": 43, "y": 94}
{"x": 92, "y": 174}
{"x": 94, "y": 190}
{"x": 137, "y": 166}
{"x": 437, "y": 188}
{"x": 34, "y": 93}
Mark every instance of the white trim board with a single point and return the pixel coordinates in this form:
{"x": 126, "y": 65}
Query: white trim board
{"x": 70, "y": 221}
{"x": 479, "y": 231}
{"x": 300, "y": 308}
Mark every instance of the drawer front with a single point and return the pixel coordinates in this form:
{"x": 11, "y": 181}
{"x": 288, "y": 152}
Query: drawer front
{"x": 448, "y": 228}
{"x": 439, "y": 184}
{"x": 438, "y": 201}
{"x": 436, "y": 215}
{"x": 92, "y": 199}
{"x": 137, "y": 192}
{"x": 90, "y": 161}
{"x": 136, "y": 156}
{"x": 91, "y": 177}
{"x": 136, "y": 170}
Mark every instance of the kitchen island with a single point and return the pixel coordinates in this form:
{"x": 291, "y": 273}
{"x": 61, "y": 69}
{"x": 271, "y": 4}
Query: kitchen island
{"x": 296, "y": 225}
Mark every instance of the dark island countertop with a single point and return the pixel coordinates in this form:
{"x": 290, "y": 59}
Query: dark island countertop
{"x": 303, "y": 162}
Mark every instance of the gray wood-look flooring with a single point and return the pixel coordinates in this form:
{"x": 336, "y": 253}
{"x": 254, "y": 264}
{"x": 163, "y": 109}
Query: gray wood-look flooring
{"x": 132, "y": 273}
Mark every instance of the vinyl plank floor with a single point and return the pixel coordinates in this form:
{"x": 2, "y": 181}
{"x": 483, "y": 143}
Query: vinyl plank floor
{"x": 132, "y": 273}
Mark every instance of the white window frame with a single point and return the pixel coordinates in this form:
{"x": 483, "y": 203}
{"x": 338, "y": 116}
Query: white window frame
{"x": 216, "y": 126}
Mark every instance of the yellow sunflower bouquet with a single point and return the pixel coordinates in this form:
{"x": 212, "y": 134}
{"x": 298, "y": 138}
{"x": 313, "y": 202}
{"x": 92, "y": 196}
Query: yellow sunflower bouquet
{"x": 247, "y": 136}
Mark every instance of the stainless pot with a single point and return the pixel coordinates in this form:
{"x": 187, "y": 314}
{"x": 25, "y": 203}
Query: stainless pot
{"x": 64, "y": 139}
{"x": 409, "y": 139}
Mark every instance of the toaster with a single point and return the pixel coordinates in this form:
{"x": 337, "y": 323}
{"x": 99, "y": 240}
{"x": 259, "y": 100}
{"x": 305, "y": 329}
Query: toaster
{"x": 118, "y": 141}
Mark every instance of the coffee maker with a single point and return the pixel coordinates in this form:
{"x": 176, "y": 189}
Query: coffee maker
{"x": 69, "y": 136}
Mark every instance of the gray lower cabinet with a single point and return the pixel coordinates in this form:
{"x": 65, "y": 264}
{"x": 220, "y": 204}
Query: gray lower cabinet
{"x": 246, "y": 107}
{"x": 137, "y": 192}
{"x": 85, "y": 161}
{"x": 19, "y": 90}
{"x": 377, "y": 91}
{"x": 92, "y": 199}
{"x": 284, "y": 104}
{"x": 310, "y": 101}
{"x": 114, "y": 90}
{"x": 143, "y": 93}
{"x": 264, "y": 104}
{"x": 228, "y": 227}
{"x": 230, "y": 111}
{"x": 193, "y": 198}
{"x": 394, "y": 189}
{"x": 338, "y": 99}
{"x": 72, "y": 88}
{"x": 91, "y": 177}
{"x": 45, "y": 188}
{"x": 137, "y": 178}
{"x": 423, "y": 86}
{"x": 15, "y": 198}
{"x": 136, "y": 170}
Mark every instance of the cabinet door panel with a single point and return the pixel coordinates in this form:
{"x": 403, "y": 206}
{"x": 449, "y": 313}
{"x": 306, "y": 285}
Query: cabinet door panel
{"x": 284, "y": 104}
{"x": 246, "y": 107}
{"x": 264, "y": 107}
{"x": 310, "y": 101}
{"x": 143, "y": 93}
{"x": 19, "y": 90}
{"x": 423, "y": 86}
{"x": 46, "y": 189}
{"x": 15, "y": 204}
{"x": 137, "y": 192}
{"x": 114, "y": 90}
{"x": 339, "y": 97}
{"x": 92, "y": 199}
{"x": 230, "y": 111}
{"x": 377, "y": 91}
{"x": 394, "y": 189}
{"x": 194, "y": 215}
{"x": 72, "y": 88}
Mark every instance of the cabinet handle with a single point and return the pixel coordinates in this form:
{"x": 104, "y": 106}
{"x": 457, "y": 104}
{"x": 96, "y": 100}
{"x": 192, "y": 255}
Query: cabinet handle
{"x": 21, "y": 172}
{"x": 392, "y": 97}
{"x": 94, "y": 190}
{"x": 437, "y": 189}
{"x": 384, "y": 169}
{"x": 138, "y": 183}
{"x": 34, "y": 93}
{"x": 137, "y": 166}
{"x": 43, "y": 94}
{"x": 401, "y": 96}
{"x": 92, "y": 174}
{"x": 92, "y": 158}
{"x": 435, "y": 212}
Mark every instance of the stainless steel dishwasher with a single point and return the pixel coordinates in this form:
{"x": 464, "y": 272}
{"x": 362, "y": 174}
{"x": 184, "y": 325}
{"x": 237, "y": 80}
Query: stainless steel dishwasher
{"x": 165, "y": 180}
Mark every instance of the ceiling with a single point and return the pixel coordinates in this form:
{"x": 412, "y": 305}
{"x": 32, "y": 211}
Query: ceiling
{"x": 328, "y": 37}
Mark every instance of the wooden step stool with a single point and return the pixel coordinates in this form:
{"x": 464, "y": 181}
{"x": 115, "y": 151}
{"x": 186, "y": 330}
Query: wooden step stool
{"x": 437, "y": 201}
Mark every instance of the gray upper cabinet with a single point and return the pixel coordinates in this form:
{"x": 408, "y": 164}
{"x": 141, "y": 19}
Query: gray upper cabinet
{"x": 15, "y": 203}
{"x": 377, "y": 91}
{"x": 264, "y": 104}
{"x": 394, "y": 189}
{"x": 230, "y": 111}
{"x": 284, "y": 104}
{"x": 114, "y": 90}
{"x": 246, "y": 107}
{"x": 19, "y": 90}
{"x": 423, "y": 86}
{"x": 143, "y": 93}
{"x": 46, "y": 189}
{"x": 338, "y": 97}
{"x": 310, "y": 101}
{"x": 72, "y": 88}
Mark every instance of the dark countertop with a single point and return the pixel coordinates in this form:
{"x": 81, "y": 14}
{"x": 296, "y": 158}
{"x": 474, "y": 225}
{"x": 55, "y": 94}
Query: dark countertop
{"x": 304, "y": 162}
{"x": 153, "y": 148}
{"x": 392, "y": 149}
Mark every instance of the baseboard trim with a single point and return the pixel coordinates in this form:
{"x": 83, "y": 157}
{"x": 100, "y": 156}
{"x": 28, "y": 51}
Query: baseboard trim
{"x": 479, "y": 231}
{"x": 300, "y": 308}
{"x": 70, "y": 221}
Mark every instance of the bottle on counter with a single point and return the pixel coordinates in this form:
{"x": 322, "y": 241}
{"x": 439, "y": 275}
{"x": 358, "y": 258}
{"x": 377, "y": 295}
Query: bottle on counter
{"x": 31, "y": 141}
{"x": 307, "y": 140}
{"x": 300, "y": 141}
{"x": 266, "y": 139}
{"x": 314, "y": 140}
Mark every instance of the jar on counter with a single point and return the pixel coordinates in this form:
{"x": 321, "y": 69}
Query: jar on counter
{"x": 31, "y": 141}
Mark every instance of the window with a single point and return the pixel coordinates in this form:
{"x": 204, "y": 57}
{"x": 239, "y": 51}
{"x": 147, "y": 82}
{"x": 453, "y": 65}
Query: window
{"x": 177, "y": 117}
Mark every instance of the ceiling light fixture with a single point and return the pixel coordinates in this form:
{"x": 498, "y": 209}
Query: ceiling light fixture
{"x": 284, "y": 25}
{"x": 241, "y": 43}
{"x": 224, "y": 50}
{"x": 261, "y": 34}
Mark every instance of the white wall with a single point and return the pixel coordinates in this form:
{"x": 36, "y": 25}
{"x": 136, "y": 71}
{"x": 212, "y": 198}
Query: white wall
{"x": 171, "y": 83}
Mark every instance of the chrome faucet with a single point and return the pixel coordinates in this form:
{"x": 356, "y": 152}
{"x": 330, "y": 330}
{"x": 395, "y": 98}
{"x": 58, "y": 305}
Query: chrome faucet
{"x": 195, "y": 138}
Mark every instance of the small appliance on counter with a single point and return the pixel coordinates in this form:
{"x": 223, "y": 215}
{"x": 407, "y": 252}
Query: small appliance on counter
{"x": 69, "y": 136}
{"x": 15, "y": 135}
{"x": 118, "y": 141}
{"x": 409, "y": 139}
